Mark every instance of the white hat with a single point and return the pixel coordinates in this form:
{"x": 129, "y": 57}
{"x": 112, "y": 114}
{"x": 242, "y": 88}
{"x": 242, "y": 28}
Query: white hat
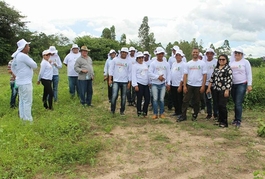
{"x": 20, "y": 46}
{"x": 139, "y": 54}
{"x": 238, "y": 50}
{"x": 210, "y": 50}
{"x": 45, "y": 52}
{"x": 124, "y": 49}
{"x": 112, "y": 51}
{"x": 159, "y": 50}
{"x": 146, "y": 53}
{"x": 75, "y": 46}
{"x": 179, "y": 52}
{"x": 200, "y": 54}
{"x": 132, "y": 49}
{"x": 53, "y": 49}
{"x": 175, "y": 47}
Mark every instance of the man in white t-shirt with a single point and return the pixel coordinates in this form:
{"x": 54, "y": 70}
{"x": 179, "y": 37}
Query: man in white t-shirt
{"x": 131, "y": 92}
{"x": 193, "y": 84}
{"x": 69, "y": 61}
{"x": 211, "y": 63}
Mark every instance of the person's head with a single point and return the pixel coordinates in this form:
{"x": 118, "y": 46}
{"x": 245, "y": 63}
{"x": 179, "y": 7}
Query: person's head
{"x": 140, "y": 57}
{"x": 23, "y": 46}
{"x": 200, "y": 56}
{"x": 84, "y": 51}
{"x": 53, "y": 50}
{"x": 195, "y": 53}
{"x": 160, "y": 52}
{"x": 222, "y": 60}
{"x": 132, "y": 51}
{"x": 112, "y": 53}
{"x": 46, "y": 54}
{"x": 210, "y": 54}
{"x": 174, "y": 49}
{"x": 75, "y": 49}
{"x": 146, "y": 56}
{"x": 178, "y": 55}
{"x": 124, "y": 52}
{"x": 238, "y": 54}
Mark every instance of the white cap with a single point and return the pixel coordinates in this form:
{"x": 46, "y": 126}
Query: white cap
{"x": 139, "y": 54}
{"x": 45, "y": 52}
{"x": 239, "y": 50}
{"x": 175, "y": 47}
{"x": 112, "y": 51}
{"x": 146, "y": 53}
{"x": 159, "y": 50}
{"x": 179, "y": 52}
{"x": 200, "y": 54}
{"x": 210, "y": 50}
{"x": 132, "y": 49}
{"x": 53, "y": 49}
{"x": 124, "y": 49}
{"x": 75, "y": 46}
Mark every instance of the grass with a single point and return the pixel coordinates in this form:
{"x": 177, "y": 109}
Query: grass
{"x": 58, "y": 142}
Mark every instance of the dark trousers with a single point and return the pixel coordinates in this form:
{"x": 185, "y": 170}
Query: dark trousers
{"x": 221, "y": 102}
{"x": 177, "y": 99}
{"x": 47, "y": 91}
{"x": 109, "y": 90}
{"x": 144, "y": 92}
{"x": 131, "y": 95}
{"x": 195, "y": 92}
{"x": 211, "y": 105}
{"x": 85, "y": 91}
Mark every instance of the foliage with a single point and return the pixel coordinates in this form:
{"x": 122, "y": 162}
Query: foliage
{"x": 259, "y": 174}
{"x": 100, "y": 47}
{"x": 261, "y": 128}
{"x": 256, "y": 62}
{"x": 109, "y": 33}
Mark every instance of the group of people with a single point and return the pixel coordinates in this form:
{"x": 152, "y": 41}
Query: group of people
{"x": 137, "y": 75}
{"x": 79, "y": 69}
{"x": 140, "y": 79}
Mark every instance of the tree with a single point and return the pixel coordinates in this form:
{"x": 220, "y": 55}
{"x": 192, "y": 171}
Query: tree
{"x": 11, "y": 24}
{"x": 123, "y": 40}
{"x": 112, "y": 32}
{"x": 143, "y": 34}
{"x": 106, "y": 33}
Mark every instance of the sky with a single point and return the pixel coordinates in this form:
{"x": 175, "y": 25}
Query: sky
{"x": 241, "y": 22}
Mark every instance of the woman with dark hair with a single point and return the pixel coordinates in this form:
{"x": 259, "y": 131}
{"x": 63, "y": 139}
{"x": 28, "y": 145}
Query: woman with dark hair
{"x": 222, "y": 80}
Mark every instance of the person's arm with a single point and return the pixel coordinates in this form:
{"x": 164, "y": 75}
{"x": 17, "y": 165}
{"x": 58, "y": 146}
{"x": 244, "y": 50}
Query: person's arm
{"x": 65, "y": 61}
{"x": 134, "y": 76}
{"x": 105, "y": 72}
{"x": 111, "y": 71}
{"x": 78, "y": 68}
{"x": 30, "y": 62}
{"x": 59, "y": 63}
{"x": 130, "y": 75}
{"x": 151, "y": 73}
{"x": 42, "y": 68}
{"x": 249, "y": 76}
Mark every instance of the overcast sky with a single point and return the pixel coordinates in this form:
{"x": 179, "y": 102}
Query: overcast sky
{"x": 242, "y": 22}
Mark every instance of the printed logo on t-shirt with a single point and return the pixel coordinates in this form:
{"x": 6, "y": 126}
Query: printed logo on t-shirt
{"x": 160, "y": 69}
{"x": 195, "y": 67}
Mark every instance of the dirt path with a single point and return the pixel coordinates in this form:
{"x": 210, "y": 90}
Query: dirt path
{"x": 164, "y": 149}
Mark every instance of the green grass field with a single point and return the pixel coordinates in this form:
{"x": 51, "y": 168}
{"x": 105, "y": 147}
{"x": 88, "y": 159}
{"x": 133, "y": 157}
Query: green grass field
{"x": 74, "y": 142}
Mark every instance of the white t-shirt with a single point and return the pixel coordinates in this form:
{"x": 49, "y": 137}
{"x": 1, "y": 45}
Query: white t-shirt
{"x": 140, "y": 74}
{"x": 177, "y": 72}
{"x": 46, "y": 70}
{"x": 70, "y": 60}
{"x": 56, "y": 59}
{"x": 210, "y": 65}
{"x": 158, "y": 68}
{"x": 242, "y": 72}
{"x": 195, "y": 70}
{"x": 121, "y": 70}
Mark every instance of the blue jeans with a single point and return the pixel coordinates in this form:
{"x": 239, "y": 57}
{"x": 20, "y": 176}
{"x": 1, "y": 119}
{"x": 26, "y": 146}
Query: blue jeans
{"x": 158, "y": 92}
{"x": 115, "y": 90}
{"x": 211, "y": 107}
{"x": 14, "y": 92}
{"x": 55, "y": 81}
{"x": 238, "y": 93}
{"x": 85, "y": 91}
{"x": 25, "y": 101}
{"x": 73, "y": 85}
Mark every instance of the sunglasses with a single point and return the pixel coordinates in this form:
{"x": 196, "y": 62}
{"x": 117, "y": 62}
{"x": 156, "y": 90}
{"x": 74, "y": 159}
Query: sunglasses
{"x": 47, "y": 55}
{"x": 238, "y": 53}
{"x": 221, "y": 59}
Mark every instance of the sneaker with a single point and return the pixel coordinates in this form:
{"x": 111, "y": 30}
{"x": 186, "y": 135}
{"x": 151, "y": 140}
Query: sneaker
{"x": 144, "y": 115}
{"x": 154, "y": 116}
{"x": 223, "y": 125}
{"x": 162, "y": 116}
{"x": 130, "y": 104}
{"x": 181, "y": 118}
{"x": 194, "y": 117}
{"x": 122, "y": 113}
{"x": 208, "y": 117}
{"x": 234, "y": 122}
{"x": 238, "y": 124}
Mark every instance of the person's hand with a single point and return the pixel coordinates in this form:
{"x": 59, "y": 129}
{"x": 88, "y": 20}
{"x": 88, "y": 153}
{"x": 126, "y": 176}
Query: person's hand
{"x": 105, "y": 77}
{"x": 161, "y": 78}
{"x": 136, "y": 88}
{"x": 168, "y": 87}
{"x": 226, "y": 93}
{"x": 249, "y": 89}
{"x": 202, "y": 89}
{"x": 185, "y": 89}
{"x": 110, "y": 82}
{"x": 55, "y": 64}
{"x": 208, "y": 90}
{"x": 129, "y": 85}
{"x": 38, "y": 82}
{"x": 179, "y": 89}
{"x": 84, "y": 71}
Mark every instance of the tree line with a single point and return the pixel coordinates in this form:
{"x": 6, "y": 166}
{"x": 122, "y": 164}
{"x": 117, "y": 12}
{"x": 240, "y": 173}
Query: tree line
{"x": 13, "y": 27}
